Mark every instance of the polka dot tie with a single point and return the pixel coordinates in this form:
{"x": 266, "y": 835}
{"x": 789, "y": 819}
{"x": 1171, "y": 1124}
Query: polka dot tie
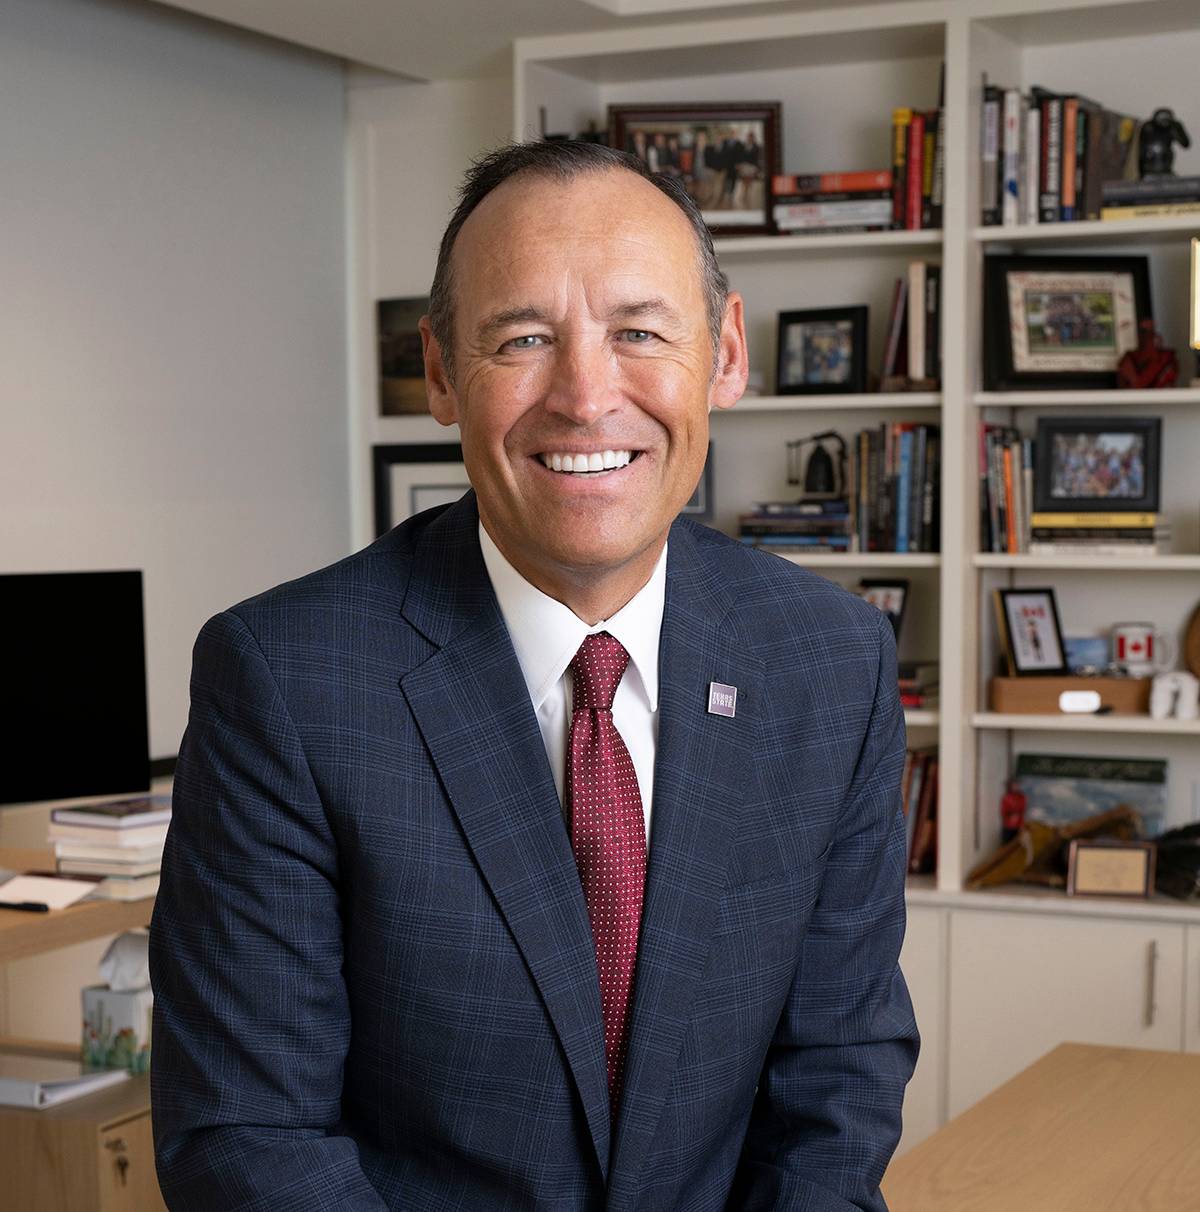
{"x": 608, "y": 834}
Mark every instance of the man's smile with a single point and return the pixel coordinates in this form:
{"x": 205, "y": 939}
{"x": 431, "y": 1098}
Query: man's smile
{"x": 587, "y": 462}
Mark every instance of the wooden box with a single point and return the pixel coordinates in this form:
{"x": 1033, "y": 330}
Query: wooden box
{"x": 1038, "y": 695}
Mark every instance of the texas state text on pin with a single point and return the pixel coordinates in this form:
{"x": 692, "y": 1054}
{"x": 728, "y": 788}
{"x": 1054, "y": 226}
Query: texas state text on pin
{"x": 722, "y": 699}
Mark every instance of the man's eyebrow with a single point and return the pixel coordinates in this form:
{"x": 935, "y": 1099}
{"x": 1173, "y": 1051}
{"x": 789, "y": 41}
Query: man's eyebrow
{"x": 507, "y": 317}
{"x": 642, "y": 309}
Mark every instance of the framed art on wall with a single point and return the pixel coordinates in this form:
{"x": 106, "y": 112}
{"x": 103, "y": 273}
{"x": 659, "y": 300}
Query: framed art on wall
{"x": 724, "y": 155}
{"x": 1057, "y": 321}
{"x": 410, "y": 477}
{"x": 401, "y": 360}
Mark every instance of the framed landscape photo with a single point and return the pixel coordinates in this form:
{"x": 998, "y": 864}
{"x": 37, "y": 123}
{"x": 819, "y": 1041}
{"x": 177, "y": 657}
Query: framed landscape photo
{"x": 1097, "y": 464}
{"x": 723, "y": 154}
{"x": 1027, "y": 620}
{"x": 410, "y": 477}
{"x": 401, "y": 361}
{"x": 1058, "y": 321}
{"x": 822, "y": 350}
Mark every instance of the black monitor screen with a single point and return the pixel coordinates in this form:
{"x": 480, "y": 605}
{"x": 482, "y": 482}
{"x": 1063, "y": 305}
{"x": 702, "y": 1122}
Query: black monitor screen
{"x": 72, "y": 686}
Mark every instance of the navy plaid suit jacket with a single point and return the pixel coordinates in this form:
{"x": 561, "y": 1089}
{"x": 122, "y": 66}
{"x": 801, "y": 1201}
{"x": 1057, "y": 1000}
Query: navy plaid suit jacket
{"x": 375, "y": 983}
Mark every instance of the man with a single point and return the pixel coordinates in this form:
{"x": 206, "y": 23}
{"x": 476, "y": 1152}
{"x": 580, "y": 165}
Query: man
{"x": 546, "y": 854}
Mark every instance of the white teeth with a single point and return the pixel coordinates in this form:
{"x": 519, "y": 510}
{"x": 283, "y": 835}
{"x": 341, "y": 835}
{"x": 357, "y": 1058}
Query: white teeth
{"x": 596, "y": 461}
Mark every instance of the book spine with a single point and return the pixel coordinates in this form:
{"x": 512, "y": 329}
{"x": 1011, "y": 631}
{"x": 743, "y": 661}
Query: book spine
{"x": 916, "y": 159}
{"x": 809, "y": 197}
{"x": 1010, "y": 516}
{"x": 904, "y": 490}
{"x": 916, "y": 320}
{"x": 853, "y": 182}
{"x": 933, "y": 323}
{"x": 1037, "y": 547}
{"x": 927, "y": 156}
{"x": 1026, "y": 487}
{"x": 1157, "y": 210}
{"x": 1070, "y": 122}
{"x": 1162, "y": 189}
{"x": 985, "y": 506}
{"x": 1093, "y": 172}
{"x": 1009, "y": 202}
{"x": 989, "y": 143}
{"x": 1031, "y": 172}
{"x": 833, "y": 212}
{"x": 916, "y": 509}
{"x": 1116, "y": 518}
{"x": 938, "y": 202}
{"x": 1052, "y": 160}
{"x": 1075, "y": 534}
{"x": 1082, "y": 122}
{"x": 901, "y": 118}
{"x": 895, "y": 325}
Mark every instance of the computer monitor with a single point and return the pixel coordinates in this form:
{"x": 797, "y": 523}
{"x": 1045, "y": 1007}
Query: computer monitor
{"x": 73, "y": 720}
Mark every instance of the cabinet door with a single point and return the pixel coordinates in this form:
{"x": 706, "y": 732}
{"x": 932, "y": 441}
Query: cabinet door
{"x": 1023, "y": 983}
{"x": 922, "y": 961}
{"x": 1191, "y": 991}
{"x": 126, "y": 1158}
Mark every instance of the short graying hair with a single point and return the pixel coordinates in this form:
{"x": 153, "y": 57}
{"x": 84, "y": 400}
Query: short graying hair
{"x": 563, "y": 160}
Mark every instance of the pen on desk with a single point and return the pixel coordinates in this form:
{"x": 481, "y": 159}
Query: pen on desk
{"x": 31, "y": 906}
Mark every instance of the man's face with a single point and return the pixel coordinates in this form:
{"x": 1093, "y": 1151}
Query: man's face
{"x": 581, "y": 334}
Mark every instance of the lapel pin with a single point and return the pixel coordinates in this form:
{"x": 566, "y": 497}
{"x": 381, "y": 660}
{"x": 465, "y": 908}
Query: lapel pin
{"x": 722, "y": 699}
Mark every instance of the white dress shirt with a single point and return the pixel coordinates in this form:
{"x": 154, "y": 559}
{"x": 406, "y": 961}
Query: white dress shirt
{"x": 546, "y": 635}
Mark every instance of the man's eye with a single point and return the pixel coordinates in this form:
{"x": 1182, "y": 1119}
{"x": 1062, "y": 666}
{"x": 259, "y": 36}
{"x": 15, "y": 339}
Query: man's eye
{"x": 638, "y": 336}
{"x": 526, "y": 342}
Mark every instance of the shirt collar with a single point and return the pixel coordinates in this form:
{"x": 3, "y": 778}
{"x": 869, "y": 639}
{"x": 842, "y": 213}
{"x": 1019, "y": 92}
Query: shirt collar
{"x": 546, "y": 634}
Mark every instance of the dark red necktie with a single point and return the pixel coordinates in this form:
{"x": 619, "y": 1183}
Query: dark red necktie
{"x": 608, "y": 834}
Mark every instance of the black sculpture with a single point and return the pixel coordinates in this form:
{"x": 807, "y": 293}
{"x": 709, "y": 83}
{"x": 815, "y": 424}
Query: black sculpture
{"x": 1156, "y": 154}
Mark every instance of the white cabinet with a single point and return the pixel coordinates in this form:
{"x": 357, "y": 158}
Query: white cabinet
{"x": 1191, "y": 991}
{"x": 923, "y": 963}
{"x": 1022, "y": 983}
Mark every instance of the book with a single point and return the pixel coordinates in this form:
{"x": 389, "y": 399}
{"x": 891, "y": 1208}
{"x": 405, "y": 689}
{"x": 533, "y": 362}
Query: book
{"x": 869, "y": 213}
{"x": 989, "y": 143}
{"x": 830, "y": 183}
{"x": 72, "y": 849}
{"x": 126, "y": 888}
{"x": 1097, "y": 548}
{"x": 915, "y": 174}
{"x": 1070, "y": 129}
{"x": 85, "y": 866}
{"x": 1152, "y": 210}
{"x": 1111, "y": 156}
{"x": 916, "y": 320}
{"x": 44, "y": 888}
{"x": 895, "y": 328}
{"x": 38, "y": 1081}
{"x": 937, "y": 199}
{"x": 922, "y": 856}
{"x": 141, "y": 835}
{"x": 117, "y": 814}
{"x": 928, "y": 150}
{"x": 801, "y": 508}
{"x": 1031, "y": 146}
{"x": 1050, "y": 192}
{"x": 1011, "y": 155}
{"x": 1128, "y": 518}
{"x": 1150, "y": 189}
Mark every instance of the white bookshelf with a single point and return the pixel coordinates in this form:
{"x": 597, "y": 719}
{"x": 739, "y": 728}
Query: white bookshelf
{"x": 1131, "y": 55}
{"x": 1009, "y": 722}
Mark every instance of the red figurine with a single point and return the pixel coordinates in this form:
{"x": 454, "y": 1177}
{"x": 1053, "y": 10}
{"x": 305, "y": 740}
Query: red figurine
{"x": 1150, "y": 365}
{"x": 1012, "y": 811}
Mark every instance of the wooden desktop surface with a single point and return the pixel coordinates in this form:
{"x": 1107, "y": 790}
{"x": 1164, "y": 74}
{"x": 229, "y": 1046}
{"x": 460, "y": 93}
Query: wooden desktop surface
{"x": 1084, "y": 1129}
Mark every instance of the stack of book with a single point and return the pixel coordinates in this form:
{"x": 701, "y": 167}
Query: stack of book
{"x": 1108, "y": 534}
{"x": 1005, "y": 489}
{"x": 1150, "y": 198}
{"x": 832, "y": 202}
{"x": 918, "y": 168}
{"x": 919, "y": 786}
{"x": 895, "y": 474}
{"x": 1046, "y": 157}
{"x": 912, "y": 353}
{"x": 798, "y": 526}
{"x": 119, "y": 840}
{"x": 918, "y": 683}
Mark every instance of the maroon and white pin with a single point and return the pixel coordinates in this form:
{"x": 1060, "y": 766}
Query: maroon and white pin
{"x": 722, "y": 699}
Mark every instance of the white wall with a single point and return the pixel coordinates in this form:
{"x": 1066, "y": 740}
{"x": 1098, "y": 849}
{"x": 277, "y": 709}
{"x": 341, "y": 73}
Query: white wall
{"x": 172, "y": 323}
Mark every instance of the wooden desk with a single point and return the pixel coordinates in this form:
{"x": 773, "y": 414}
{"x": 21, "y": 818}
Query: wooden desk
{"x": 1084, "y": 1129}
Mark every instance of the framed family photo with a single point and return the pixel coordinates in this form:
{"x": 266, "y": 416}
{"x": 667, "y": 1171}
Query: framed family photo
{"x": 1097, "y": 464}
{"x": 410, "y": 477}
{"x": 1030, "y": 632}
{"x": 723, "y": 154}
{"x": 1055, "y": 321}
{"x": 822, "y": 350}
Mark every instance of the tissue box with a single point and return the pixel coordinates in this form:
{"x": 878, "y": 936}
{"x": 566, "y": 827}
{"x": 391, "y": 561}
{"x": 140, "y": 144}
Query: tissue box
{"x": 116, "y": 1028}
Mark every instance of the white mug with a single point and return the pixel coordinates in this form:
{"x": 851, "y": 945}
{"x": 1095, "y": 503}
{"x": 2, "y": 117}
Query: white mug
{"x": 1141, "y": 649}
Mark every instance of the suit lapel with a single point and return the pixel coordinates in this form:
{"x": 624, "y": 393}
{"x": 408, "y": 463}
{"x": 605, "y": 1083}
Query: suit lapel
{"x": 470, "y": 702}
{"x": 703, "y": 765}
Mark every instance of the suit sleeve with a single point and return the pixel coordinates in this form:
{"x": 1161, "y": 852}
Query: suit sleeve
{"x": 826, "y": 1118}
{"x": 251, "y": 1018}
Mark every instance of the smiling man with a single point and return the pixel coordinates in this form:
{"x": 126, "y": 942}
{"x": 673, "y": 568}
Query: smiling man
{"x": 546, "y": 854}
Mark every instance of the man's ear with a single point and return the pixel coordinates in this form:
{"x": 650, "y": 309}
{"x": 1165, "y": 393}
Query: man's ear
{"x": 733, "y": 362}
{"x": 443, "y": 401}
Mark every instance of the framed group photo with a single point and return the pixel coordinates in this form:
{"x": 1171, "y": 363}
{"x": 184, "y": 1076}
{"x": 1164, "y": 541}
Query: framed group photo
{"x": 822, "y": 350}
{"x": 1059, "y": 321}
{"x": 1097, "y": 464}
{"x": 723, "y": 154}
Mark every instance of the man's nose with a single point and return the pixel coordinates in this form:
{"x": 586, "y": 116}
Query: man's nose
{"x": 583, "y": 381}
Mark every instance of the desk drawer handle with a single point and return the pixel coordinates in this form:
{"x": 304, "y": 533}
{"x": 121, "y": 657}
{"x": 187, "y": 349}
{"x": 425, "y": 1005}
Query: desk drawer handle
{"x": 1151, "y": 982}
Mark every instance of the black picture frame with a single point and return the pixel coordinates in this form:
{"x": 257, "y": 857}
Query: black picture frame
{"x": 700, "y": 504}
{"x": 882, "y": 594}
{"x": 1037, "y": 649}
{"x": 797, "y": 339}
{"x": 411, "y": 476}
{"x": 1053, "y": 481}
{"x": 401, "y": 361}
{"x": 707, "y": 146}
{"x": 1064, "y": 345}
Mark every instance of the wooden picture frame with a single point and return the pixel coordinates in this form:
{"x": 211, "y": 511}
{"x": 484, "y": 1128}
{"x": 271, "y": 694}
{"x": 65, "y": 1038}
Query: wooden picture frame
{"x": 1060, "y": 321}
{"x": 409, "y": 477}
{"x": 724, "y": 155}
{"x": 1030, "y": 632}
{"x": 1097, "y": 464}
{"x": 822, "y": 351}
{"x": 1104, "y": 867}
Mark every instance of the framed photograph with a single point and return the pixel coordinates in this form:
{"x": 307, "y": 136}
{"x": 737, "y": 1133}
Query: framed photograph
{"x": 888, "y": 596}
{"x": 700, "y": 506}
{"x": 822, "y": 350}
{"x": 1056, "y": 321}
{"x": 415, "y": 476}
{"x": 1111, "y": 868}
{"x": 725, "y": 156}
{"x": 1097, "y": 464}
{"x": 1029, "y": 630}
{"x": 401, "y": 362}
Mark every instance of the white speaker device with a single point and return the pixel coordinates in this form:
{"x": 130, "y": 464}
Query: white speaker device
{"x": 1079, "y": 702}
